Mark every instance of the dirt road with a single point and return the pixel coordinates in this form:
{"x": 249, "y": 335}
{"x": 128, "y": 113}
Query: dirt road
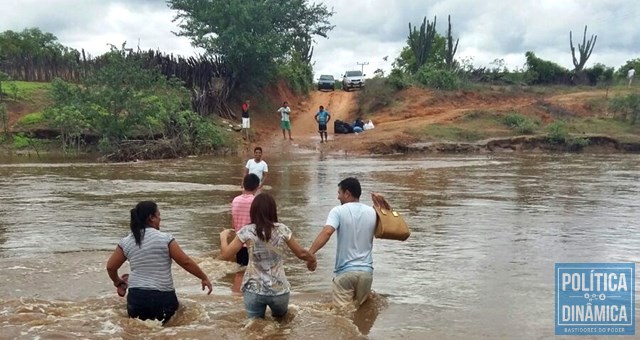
{"x": 339, "y": 104}
{"x": 415, "y": 109}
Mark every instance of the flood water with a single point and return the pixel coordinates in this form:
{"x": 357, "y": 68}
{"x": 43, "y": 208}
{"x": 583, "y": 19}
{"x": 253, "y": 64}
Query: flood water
{"x": 486, "y": 233}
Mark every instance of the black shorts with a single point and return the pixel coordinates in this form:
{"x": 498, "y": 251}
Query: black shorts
{"x": 242, "y": 257}
{"x": 147, "y": 304}
{"x": 322, "y": 127}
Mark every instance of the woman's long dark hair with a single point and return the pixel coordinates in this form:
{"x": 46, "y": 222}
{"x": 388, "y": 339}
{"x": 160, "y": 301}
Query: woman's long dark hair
{"x": 264, "y": 214}
{"x": 139, "y": 217}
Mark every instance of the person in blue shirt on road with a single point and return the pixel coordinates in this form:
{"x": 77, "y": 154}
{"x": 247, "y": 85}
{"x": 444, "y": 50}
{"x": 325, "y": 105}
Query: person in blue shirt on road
{"x": 322, "y": 117}
{"x": 355, "y": 224}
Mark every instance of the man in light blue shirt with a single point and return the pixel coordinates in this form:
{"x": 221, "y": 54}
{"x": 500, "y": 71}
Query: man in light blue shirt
{"x": 322, "y": 117}
{"x": 355, "y": 224}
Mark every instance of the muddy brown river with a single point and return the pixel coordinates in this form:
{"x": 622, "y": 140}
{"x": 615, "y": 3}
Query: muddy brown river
{"x": 486, "y": 233}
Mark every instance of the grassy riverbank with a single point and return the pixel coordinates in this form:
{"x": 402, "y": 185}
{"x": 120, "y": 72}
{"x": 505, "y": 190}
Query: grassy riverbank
{"x": 559, "y": 115}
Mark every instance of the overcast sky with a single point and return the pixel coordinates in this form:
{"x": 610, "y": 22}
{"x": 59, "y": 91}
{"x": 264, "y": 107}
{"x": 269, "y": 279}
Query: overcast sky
{"x": 366, "y": 30}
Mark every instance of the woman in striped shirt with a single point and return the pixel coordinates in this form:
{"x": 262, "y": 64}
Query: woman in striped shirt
{"x": 150, "y": 252}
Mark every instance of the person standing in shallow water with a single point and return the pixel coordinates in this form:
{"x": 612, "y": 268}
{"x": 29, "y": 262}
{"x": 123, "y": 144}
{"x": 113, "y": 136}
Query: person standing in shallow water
{"x": 257, "y": 166}
{"x": 150, "y": 251}
{"x": 264, "y": 282}
{"x": 285, "y": 119}
{"x": 241, "y": 211}
{"x": 355, "y": 224}
{"x": 322, "y": 118}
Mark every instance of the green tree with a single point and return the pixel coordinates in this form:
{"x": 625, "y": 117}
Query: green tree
{"x": 30, "y": 40}
{"x": 122, "y": 101}
{"x": 406, "y": 61}
{"x": 633, "y": 63}
{"x": 67, "y": 113}
{"x": 252, "y": 35}
{"x": 599, "y": 74}
{"x": 541, "y": 71}
{"x": 24, "y": 54}
{"x": 298, "y": 73}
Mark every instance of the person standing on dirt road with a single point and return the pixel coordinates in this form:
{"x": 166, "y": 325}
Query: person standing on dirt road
{"x": 246, "y": 122}
{"x": 322, "y": 117}
{"x": 285, "y": 119}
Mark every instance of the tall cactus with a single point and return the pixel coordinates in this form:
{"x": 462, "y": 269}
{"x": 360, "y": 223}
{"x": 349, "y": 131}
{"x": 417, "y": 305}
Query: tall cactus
{"x": 585, "y": 49}
{"x": 421, "y": 42}
{"x": 303, "y": 46}
{"x": 450, "y": 49}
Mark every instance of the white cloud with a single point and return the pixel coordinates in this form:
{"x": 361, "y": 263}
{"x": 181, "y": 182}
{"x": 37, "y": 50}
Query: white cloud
{"x": 93, "y": 24}
{"x": 488, "y": 30}
{"x": 366, "y": 30}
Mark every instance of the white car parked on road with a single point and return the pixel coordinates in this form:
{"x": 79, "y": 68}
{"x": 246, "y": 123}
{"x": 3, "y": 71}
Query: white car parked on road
{"x": 353, "y": 80}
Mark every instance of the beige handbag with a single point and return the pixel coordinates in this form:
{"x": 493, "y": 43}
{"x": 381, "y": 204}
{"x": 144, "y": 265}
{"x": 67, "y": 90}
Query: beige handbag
{"x": 389, "y": 225}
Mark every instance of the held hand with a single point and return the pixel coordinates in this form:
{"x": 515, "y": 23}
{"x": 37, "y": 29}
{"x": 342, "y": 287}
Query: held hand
{"x": 122, "y": 285}
{"x": 207, "y": 283}
{"x": 225, "y": 236}
{"x": 312, "y": 265}
{"x": 225, "y": 233}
